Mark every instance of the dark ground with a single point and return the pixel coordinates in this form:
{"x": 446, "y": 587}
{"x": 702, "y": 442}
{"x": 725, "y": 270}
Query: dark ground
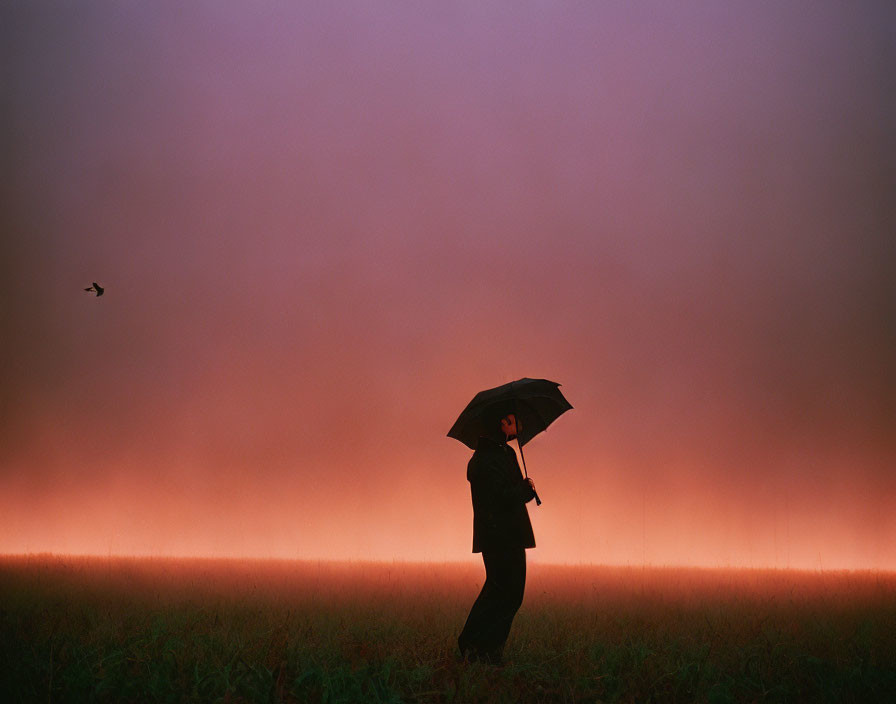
{"x": 95, "y": 629}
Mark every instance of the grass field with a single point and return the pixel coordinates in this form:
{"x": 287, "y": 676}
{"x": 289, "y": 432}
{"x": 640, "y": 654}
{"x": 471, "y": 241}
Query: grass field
{"x": 109, "y": 630}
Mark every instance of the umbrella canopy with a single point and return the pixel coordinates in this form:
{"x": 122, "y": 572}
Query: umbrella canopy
{"x": 535, "y": 402}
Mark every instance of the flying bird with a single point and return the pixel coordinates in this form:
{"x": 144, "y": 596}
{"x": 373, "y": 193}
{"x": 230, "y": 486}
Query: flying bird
{"x": 96, "y": 287}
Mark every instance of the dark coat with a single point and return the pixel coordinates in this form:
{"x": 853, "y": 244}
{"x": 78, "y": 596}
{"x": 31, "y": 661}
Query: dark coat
{"x": 500, "y": 493}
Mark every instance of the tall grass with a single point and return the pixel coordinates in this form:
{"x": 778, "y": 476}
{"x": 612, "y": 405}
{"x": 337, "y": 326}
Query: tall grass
{"x": 94, "y": 629}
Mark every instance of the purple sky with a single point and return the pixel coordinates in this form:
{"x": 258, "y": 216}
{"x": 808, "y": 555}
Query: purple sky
{"x": 324, "y": 227}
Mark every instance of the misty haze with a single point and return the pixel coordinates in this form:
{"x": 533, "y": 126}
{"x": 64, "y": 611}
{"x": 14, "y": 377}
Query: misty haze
{"x": 323, "y": 228}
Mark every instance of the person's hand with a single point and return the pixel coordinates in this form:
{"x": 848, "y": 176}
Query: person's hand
{"x": 530, "y": 487}
{"x": 534, "y": 493}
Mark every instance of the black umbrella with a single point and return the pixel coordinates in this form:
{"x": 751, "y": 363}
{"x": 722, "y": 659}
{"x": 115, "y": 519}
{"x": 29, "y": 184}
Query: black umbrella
{"x": 536, "y": 403}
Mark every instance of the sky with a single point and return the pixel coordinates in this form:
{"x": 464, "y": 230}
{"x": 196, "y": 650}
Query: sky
{"x": 323, "y": 227}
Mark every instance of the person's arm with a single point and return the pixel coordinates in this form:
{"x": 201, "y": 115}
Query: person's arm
{"x": 503, "y": 490}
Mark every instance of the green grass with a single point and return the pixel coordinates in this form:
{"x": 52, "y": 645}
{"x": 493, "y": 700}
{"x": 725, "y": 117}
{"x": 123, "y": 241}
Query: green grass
{"x": 110, "y": 630}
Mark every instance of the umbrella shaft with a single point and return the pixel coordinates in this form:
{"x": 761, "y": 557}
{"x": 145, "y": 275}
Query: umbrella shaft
{"x": 522, "y": 457}
{"x": 525, "y": 471}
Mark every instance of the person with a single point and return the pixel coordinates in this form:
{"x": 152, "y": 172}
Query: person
{"x": 502, "y": 532}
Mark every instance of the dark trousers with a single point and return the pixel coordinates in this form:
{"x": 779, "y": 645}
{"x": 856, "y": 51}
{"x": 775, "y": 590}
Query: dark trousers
{"x": 488, "y": 624}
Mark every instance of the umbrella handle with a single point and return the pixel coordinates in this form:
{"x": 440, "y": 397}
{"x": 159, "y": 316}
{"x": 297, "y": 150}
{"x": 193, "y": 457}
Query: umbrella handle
{"x": 525, "y": 471}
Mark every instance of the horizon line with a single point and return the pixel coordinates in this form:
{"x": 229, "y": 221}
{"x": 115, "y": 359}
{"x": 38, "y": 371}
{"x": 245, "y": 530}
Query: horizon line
{"x": 401, "y": 561}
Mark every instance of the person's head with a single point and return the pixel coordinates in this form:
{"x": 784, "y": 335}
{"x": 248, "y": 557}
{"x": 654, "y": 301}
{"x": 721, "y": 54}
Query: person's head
{"x": 510, "y": 426}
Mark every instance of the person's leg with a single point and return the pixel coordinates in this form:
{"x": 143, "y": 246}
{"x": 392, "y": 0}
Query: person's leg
{"x": 510, "y": 570}
{"x": 470, "y": 637}
{"x": 488, "y": 624}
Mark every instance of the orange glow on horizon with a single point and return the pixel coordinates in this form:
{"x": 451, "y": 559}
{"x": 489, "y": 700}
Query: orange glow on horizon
{"x": 598, "y": 520}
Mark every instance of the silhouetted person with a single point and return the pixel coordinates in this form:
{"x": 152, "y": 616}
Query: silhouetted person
{"x": 96, "y": 287}
{"x": 501, "y": 532}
